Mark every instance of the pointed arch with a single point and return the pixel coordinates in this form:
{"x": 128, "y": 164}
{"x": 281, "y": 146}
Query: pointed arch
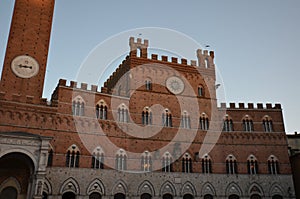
{"x": 233, "y": 189}
{"x": 252, "y": 165}
{"x": 206, "y": 163}
{"x": 247, "y": 123}
{"x": 273, "y": 165}
{"x": 208, "y": 189}
{"x": 167, "y": 118}
{"x": 203, "y": 121}
{"x": 167, "y": 162}
{"x": 146, "y": 161}
{"x": 121, "y": 160}
{"x": 47, "y": 188}
{"x": 188, "y": 188}
{"x": 231, "y": 164}
{"x": 120, "y": 187}
{"x": 146, "y": 187}
{"x": 78, "y": 104}
{"x": 146, "y": 116}
{"x": 96, "y": 186}
{"x": 167, "y": 188}
{"x": 98, "y": 158}
{"x": 276, "y": 189}
{"x": 187, "y": 163}
{"x": 267, "y": 123}
{"x": 101, "y": 110}
{"x": 11, "y": 182}
{"x": 123, "y": 113}
{"x": 69, "y": 185}
{"x": 255, "y": 189}
{"x": 227, "y": 123}
{"x": 72, "y": 156}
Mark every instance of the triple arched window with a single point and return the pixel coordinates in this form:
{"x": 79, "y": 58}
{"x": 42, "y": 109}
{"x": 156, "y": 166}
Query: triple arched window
{"x": 252, "y": 165}
{"x": 98, "y": 158}
{"x": 273, "y": 166}
{"x": 247, "y": 124}
{"x": 121, "y": 160}
{"x": 267, "y": 124}
{"x": 72, "y": 157}
{"x": 122, "y": 113}
{"x": 101, "y": 110}
{"x": 167, "y": 165}
{"x": 185, "y": 121}
{"x": 187, "y": 164}
{"x": 167, "y": 118}
{"x": 147, "y": 116}
{"x": 231, "y": 165}
{"x": 227, "y": 124}
{"x": 203, "y": 122}
{"x": 148, "y": 85}
{"x": 146, "y": 161}
{"x": 206, "y": 164}
{"x": 78, "y": 106}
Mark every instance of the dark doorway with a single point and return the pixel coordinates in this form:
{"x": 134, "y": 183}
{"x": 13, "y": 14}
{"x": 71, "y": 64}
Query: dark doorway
{"x": 146, "y": 196}
{"x": 188, "y": 196}
{"x": 233, "y": 196}
{"x": 95, "y": 195}
{"x": 119, "y": 196}
{"x": 9, "y": 193}
{"x": 69, "y": 195}
{"x": 277, "y": 197}
{"x": 167, "y": 196}
{"x": 208, "y": 196}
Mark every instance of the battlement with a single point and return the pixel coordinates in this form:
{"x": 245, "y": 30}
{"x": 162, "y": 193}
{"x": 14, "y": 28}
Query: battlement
{"x": 205, "y": 57}
{"x": 267, "y": 106}
{"x": 83, "y": 86}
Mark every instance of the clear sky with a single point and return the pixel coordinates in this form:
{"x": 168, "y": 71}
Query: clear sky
{"x": 256, "y": 42}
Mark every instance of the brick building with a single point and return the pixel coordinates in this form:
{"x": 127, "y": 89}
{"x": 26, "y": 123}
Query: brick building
{"x": 154, "y": 130}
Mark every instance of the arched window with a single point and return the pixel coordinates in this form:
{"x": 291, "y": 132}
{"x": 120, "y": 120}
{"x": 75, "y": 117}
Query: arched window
{"x": 167, "y": 165}
{"x": 101, "y": 110}
{"x": 187, "y": 166}
{"x": 98, "y": 158}
{"x": 78, "y": 106}
{"x": 228, "y": 124}
{"x": 148, "y": 85}
{"x": 73, "y": 155}
{"x": 273, "y": 165}
{"x": 146, "y": 196}
{"x": 122, "y": 113}
{"x": 95, "y": 195}
{"x": 167, "y": 196}
{"x": 121, "y": 160}
{"x": 252, "y": 165}
{"x": 267, "y": 124}
{"x": 147, "y": 116}
{"x": 146, "y": 161}
{"x": 167, "y": 118}
{"x": 231, "y": 165}
{"x": 185, "y": 120}
{"x": 206, "y": 164}
{"x": 200, "y": 91}
{"x": 208, "y": 196}
{"x": 50, "y": 158}
{"x": 203, "y": 122}
{"x": 247, "y": 124}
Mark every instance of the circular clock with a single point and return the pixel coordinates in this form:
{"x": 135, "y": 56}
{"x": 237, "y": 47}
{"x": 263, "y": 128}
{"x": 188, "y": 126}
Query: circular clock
{"x": 25, "y": 66}
{"x": 175, "y": 85}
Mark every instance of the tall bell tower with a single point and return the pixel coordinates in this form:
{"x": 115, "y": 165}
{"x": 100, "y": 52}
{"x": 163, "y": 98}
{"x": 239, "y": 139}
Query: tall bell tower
{"x": 26, "y": 55}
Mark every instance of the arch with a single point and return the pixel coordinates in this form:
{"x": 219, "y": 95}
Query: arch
{"x": 120, "y": 187}
{"x": 208, "y": 189}
{"x": 146, "y": 196}
{"x": 188, "y": 188}
{"x": 252, "y": 165}
{"x": 233, "y": 189}
{"x": 185, "y": 120}
{"x": 96, "y": 186}
{"x": 78, "y": 104}
{"x": 47, "y": 188}
{"x": 187, "y": 163}
{"x": 101, "y": 110}
{"x": 167, "y": 196}
{"x": 147, "y": 116}
{"x": 231, "y": 164}
{"x": 121, "y": 160}
{"x": 9, "y": 193}
{"x": 167, "y": 188}
{"x": 273, "y": 165}
{"x": 206, "y": 163}
{"x": 10, "y": 182}
{"x": 167, "y": 162}
{"x": 203, "y": 121}
{"x": 123, "y": 113}
{"x": 267, "y": 123}
{"x": 69, "y": 195}
{"x": 95, "y": 195}
{"x": 69, "y": 185}
{"x": 255, "y": 189}
{"x": 146, "y": 161}
{"x": 227, "y": 123}
{"x": 276, "y": 189}
{"x": 167, "y": 118}
{"x": 72, "y": 156}
{"x": 146, "y": 187}
{"x": 247, "y": 122}
{"x": 98, "y": 158}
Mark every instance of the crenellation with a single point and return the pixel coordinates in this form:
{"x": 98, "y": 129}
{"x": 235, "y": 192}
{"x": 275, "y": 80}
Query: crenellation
{"x": 232, "y": 105}
{"x": 62, "y": 82}
{"x": 174, "y": 60}
{"x": 94, "y": 88}
{"x": 269, "y": 106}
{"x": 277, "y": 106}
{"x": 250, "y": 106}
{"x": 83, "y": 86}
{"x": 259, "y": 106}
{"x": 164, "y": 58}
{"x": 154, "y": 56}
{"x": 184, "y": 61}
{"x": 223, "y": 105}
{"x": 193, "y": 63}
{"x": 241, "y": 105}
{"x": 73, "y": 84}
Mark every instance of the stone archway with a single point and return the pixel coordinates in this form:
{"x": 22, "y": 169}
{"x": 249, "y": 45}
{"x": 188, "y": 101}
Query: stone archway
{"x": 16, "y": 166}
{"x": 9, "y": 192}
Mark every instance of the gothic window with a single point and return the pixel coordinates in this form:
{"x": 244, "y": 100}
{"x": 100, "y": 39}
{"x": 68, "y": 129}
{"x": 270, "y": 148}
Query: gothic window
{"x": 231, "y": 165}
{"x": 73, "y": 155}
{"x": 206, "y": 164}
{"x": 247, "y": 124}
{"x": 146, "y": 162}
{"x": 50, "y": 158}
{"x": 187, "y": 166}
{"x": 185, "y": 121}
{"x": 167, "y": 165}
{"x": 148, "y": 85}
{"x": 121, "y": 160}
{"x": 147, "y": 116}
{"x": 228, "y": 124}
{"x": 122, "y": 113}
{"x": 101, "y": 110}
{"x": 200, "y": 91}
{"x": 78, "y": 106}
{"x": 252, "y": 165}
{"x": 98, "y": 158}
{"x": 203, "y": 122}
{"x": 167, "y": 118}
{"x": 267, "y": 124}
{"x": 273, "y": 165}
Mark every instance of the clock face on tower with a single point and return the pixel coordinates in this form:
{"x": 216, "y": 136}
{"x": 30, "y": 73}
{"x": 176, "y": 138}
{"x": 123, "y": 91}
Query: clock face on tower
{"x": 25, "y": 66}
{"x": 175, "y": 85}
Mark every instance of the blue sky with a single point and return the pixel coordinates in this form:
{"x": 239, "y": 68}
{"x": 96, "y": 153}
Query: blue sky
{"x": 256, "y": 42}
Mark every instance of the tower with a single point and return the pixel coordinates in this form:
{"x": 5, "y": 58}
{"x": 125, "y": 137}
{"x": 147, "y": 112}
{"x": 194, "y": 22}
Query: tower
{"x": 27, "y": 51}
